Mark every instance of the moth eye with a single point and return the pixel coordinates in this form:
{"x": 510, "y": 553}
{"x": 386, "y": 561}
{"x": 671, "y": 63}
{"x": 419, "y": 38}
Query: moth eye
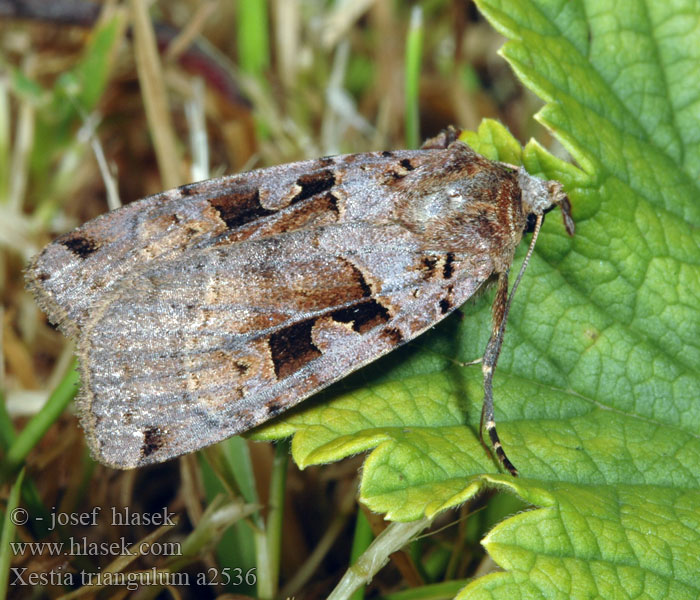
{"x": 531, "y": 220}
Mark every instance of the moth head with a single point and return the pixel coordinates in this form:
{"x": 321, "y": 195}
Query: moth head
{"x": 539, "y": 197}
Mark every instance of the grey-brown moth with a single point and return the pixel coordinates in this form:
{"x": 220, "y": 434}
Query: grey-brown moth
{"x": 206, "y": 310}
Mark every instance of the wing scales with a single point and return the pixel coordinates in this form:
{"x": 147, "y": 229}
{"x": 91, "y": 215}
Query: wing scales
{"x": 203, "y": 311}
{"x": 186, "y": 364}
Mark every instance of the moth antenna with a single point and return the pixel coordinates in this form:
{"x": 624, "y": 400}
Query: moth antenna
{"x": 535, "y": 233}
{"x": 501, "y": 308}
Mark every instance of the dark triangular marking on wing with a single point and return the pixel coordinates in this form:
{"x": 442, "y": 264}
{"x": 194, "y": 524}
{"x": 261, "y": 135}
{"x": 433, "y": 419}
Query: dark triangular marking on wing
{"x": 292, "y": 347}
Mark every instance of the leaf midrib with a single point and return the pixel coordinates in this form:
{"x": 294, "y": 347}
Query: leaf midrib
{"x": 662, "y": 71}
{"x": 593, "y": 402}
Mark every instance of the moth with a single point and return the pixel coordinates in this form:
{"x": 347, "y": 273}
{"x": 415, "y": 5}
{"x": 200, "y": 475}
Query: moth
{"x": 206, "y": 310}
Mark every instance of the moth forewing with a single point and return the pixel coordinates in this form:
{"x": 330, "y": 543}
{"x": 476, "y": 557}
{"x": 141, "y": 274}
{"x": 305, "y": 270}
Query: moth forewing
{"x": 204, "y": 311}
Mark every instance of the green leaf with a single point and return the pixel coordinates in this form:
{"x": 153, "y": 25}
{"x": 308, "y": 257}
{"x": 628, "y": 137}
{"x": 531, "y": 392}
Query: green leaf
{"x": 598, "y": 383}
{"x": 595, "y": 541}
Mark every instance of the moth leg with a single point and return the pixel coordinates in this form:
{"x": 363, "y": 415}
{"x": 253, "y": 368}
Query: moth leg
{"x": 442, "y": 140}
{"x": 488, "y": 365}
{"x": 470, "y": 363}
